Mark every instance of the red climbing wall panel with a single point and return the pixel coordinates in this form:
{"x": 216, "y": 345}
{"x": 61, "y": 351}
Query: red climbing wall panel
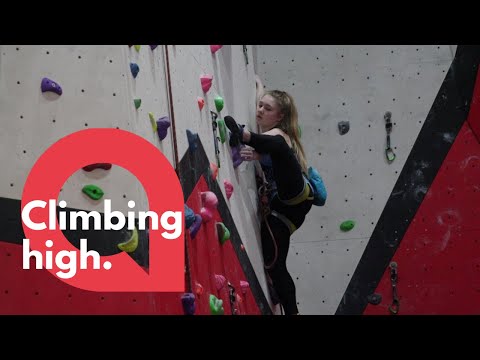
{"x": 474, "y": 115}
{"x": 38, "y": 292}
{"x": 439, "y": 256}
{"x": 207, "y": 257}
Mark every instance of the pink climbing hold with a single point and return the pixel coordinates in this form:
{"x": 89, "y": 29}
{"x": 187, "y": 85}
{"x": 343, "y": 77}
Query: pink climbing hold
{"x": 228, "y": 188}
{"x": 214, "y": 171}
{"x": 244, "y": 286}
{"x": 215, "y": 48}
{"x": 206, "y": 214}
{"x": 220, "y": 281}
{"x": 209, "y": 199}
{"x": 206, "y": 81}
{"x": 198, "y": 288}
{"x": 201, "y": 102}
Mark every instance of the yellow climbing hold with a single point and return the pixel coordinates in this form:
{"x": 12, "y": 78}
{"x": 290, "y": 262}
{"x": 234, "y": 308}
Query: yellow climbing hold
{"x": 132, "y": 243}
{"x": 152, "y": 120}
{"x": 137, "y": 47}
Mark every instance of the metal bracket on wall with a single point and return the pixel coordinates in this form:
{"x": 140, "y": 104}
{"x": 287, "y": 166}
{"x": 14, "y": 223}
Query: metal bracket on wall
{"x": 215, "y": 137}
{"x": 245, "y": 52}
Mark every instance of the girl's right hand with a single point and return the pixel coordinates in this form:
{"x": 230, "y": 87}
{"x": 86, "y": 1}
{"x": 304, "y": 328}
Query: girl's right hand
{"x": 248, "y": 154}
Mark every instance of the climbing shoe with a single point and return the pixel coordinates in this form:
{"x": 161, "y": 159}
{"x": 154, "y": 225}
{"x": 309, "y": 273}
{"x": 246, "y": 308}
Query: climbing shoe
{"x": 236, "y": 131}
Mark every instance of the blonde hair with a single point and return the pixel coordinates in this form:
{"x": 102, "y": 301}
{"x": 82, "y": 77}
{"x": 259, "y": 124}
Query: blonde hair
{"x": 289, "y": 123}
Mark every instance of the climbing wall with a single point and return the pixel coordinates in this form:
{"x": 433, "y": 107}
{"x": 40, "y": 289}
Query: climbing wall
{"x": 98, "y": 91}
{"x": 130, "y": 87}
{"x": 233, "y": 81}
{"x": 358, "y": 85}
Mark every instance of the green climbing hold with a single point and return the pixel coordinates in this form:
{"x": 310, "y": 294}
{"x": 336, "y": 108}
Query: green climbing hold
{"x": 219, "y": 103}
{"x": 347, "y": 225}
{"x": 216, "y": 305}
{"x": 152, "y": 120}
{"x": 222, "y": 129}
{"x": 137, "y": 103}
{"x": 137, "y": 47}
{"x": 93, "y": 192}
{"x": 223, "y": 233}
{"x": 131, "y": 244}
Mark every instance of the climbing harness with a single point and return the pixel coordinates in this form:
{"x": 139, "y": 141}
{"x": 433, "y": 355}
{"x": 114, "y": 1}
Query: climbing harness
{"x": 388, "y": 127}
{"x": 394, "y": 307}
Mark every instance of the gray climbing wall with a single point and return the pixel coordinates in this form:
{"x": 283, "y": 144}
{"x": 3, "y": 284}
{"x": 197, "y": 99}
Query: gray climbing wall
{"x": 358, "y": 84}
{"x": 233, "y": 80}
{"x": 98, "y": 92}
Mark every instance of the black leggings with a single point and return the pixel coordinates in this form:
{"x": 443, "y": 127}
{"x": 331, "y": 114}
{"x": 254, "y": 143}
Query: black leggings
{"x": 290, "y": 183}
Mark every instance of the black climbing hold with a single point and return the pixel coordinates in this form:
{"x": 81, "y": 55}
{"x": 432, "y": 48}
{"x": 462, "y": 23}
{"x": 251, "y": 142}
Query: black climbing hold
{"x": 52, "y": 86}
{"x": 374, "y": 299}
{"x": 134, "y": 68}
{"x": 192, "y": 140}
{"x": 188, "y": 303}
{"x": 153, "y": 47}
{"x": 343, "y": 127}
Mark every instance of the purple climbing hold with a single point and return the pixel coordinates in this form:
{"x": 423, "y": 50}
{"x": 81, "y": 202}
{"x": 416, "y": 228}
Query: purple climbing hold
{"x": 50, "y": 85}
{"x": 189, "y": 216}
{"x": 188, "y": 302}
{"x": 162, "y": 126}
{"x": 236, "y": 157}
{"x": 196, "y": 226}
{"x": 134, "y": 68}
{"x": 153, "y": 47}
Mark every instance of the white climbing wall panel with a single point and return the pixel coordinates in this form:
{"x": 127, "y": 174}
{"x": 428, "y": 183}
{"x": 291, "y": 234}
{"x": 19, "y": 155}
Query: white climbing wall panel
{"x": 98, "y": 92}
{"x": 357, "y": 84}
{"x": 233, "y": 80}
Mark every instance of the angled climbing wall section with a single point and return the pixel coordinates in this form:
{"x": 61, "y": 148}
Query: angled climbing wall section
{"x": 161, "y": 93}
{"x": 355, "y": 103}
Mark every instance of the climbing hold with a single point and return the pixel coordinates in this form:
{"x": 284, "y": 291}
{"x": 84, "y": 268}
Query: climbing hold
{"x": 198, "y": 288}
{"x": 238, "y": 298}
{"x": 374, "y": 299}
{"x": 242, "y": 247}
{"x": 223, "y": 233}
{"x": 188, "y": 303}
{"x": 209, "y": 200}
{"x": 347, "y": 225}
{"x": 214, "y": 171}
{"x": 215, "y": 48}
{"x": 219, "y": 103}
{"x": 216, "y": 305}
{"x": 137, "y": 103}
{"x": 244, "y": 285}
{"x": 52, "y": 86}
{"x": 228, "y": 188}
{"x": 222, "y": 129}
{"x": 137, "y": 47}
{"x": 153, "y": 47}
{"x": 388, "y": 127}
{"x": 189, "y": 216}
{"x": 201, "y": 102}
{"x": 206, "y": 81}
{"x": 152, "y": 121}
{"x": 131, "y": 244}
{"x": 206, "y": 214}
{"x": 236, "y": 157}
{"x": 195, "y": 226}
{"x": 91, "y": 167}
{"x": 192, "y": 141}
{"x": 343, "y": 127}
{"x": 130, "y": 46}
{"x": 93, "y": 192}
{"x": 134, "y": 68}
{"x": 220, "y": 281}
{"x": 162, "y": 126}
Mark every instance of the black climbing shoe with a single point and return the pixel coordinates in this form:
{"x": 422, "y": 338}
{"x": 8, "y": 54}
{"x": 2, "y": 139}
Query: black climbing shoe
{"x": 236, "y": 136}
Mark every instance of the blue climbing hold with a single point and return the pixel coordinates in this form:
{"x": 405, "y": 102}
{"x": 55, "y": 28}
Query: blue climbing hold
{"x": 189, "y": 216}
{"x": 162, "y": 126}
{"x": 134, "y": 69}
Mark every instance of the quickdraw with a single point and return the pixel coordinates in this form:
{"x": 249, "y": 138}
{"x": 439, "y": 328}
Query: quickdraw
{"x": 394, "y": 307}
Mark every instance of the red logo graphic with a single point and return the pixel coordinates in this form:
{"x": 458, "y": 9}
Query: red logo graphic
{"x": 135, "y": 154}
